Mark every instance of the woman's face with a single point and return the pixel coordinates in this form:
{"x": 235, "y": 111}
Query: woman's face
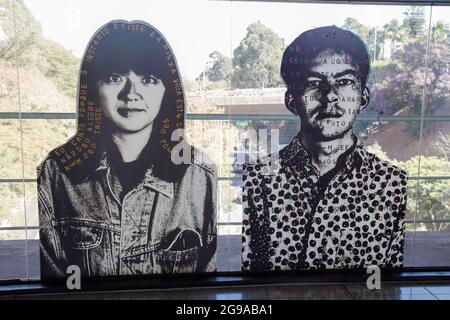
{"x": 131, "y": 101}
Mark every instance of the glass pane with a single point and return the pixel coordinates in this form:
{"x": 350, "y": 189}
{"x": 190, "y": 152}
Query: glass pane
{"x": 224, "y": 140}
{"x": 229, "y": 226}
{"x": 12, "y": 254}
{"x": 230, "y": 207}
{"x": 32, "y": 209}
{"x": 438, "y": 75}
{"x": 410, "y": 222}
{"x": 55, "y": 70}
{"x": 10, "y": 152}
{"x": 209, "y": 136}
{"x": 207, "y": 102}
{"x": 435, "y": 149}
{"x": 434, "y": 210}
{"x": 8, "y": 83}
{"x": 12, "y": 243}
{"x": 394, "y": 141}
{"x": 208, "y": 90}
{"x": 47, "y": 71}
{"x": 398, "y": 49}
{"x": 433, "y": 214}
{"x": 431, "y": 249}
{"x": 33, "y": 254}
{"x": 38, "y": 94}
{"x": 11, "y": 206}
{"x": 432, "y": 236}
{"x": 42, "y": 136}
{"x": 236, "y": 89}
{"x": 395, "y": 36}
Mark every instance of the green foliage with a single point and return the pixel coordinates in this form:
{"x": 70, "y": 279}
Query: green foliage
{"x": 361, "y": 30}
{"x": 257, "y": 59}
{"x": 397, "y": 83}
{"x": 48, "y": 80}
{"x": 372, "y": 37}
{"x": 58, "y": 64}
{"x": 219, "y": 67}
{"x": 415, "y": 21}
{"x": 20, "y": 28}
{"x": 433, "y": 195}
{"x": 378, "y": 151}
{"x": 34, "y": 53}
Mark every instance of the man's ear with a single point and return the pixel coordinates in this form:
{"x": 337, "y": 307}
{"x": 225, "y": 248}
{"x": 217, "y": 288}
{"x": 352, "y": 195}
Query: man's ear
{"x": 290, "y": 103}
{"x": 365, "y": 99}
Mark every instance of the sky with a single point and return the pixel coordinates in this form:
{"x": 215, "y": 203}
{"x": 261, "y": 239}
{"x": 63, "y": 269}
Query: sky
{"x": 195, "y": 28}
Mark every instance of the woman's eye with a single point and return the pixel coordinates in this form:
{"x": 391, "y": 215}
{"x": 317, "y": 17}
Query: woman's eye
{"x": 345, "y": 82}
{"x": 149, "y": 80}
{"x": 313, "y": 84}
{"x": 115, "y": 78}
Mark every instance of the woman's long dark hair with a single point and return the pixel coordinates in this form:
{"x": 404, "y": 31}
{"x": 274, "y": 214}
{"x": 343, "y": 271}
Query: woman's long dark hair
{"x": 118, "y": 47}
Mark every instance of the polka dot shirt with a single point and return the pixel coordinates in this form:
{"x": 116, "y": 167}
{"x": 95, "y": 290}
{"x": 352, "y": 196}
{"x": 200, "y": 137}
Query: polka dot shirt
{"x": 290, "y": 223}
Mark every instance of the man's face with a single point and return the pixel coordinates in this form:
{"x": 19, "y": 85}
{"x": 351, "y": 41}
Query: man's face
{"x": 131, "y": 101}
{"x": 332, "y": 96}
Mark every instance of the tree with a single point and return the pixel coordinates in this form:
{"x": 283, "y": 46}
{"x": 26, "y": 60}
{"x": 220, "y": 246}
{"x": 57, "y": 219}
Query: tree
{"x": 396, "y": 32}
{"x": 257, "y": 59}
{"x": 48, "y": 81}
{"x": 219, "y": 67}
{"x": 442, "y": 144}
{"x": 24, "y": 40}
{"x": 414, "y": 21}
{"x": 355, "y": 26}
{"x": 440, "y": 32}
{"x": 371, "y": 36}
{"x": 20, "y": 31}
{"x": 398, "y": 83}
{"x": 433, "y": 195}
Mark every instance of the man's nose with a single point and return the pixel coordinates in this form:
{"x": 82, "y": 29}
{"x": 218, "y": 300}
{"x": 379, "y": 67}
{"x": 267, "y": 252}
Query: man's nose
{"x": 332, "y": 96}
{"x": 129, "y": 92}
{"x": 329, "y": 93}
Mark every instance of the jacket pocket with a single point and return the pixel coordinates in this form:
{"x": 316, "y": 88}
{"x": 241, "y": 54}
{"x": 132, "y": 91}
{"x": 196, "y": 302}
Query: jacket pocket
{"x": 80, "y": 239}
{"x": 178, "y": 261}
{"x": 181, "y": 255}
{"x": 183, "y": 252}
{"x": 80, "y": 233}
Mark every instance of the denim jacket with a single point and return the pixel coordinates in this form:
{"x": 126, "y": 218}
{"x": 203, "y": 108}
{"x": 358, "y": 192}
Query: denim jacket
{"x": 159, "y": 227}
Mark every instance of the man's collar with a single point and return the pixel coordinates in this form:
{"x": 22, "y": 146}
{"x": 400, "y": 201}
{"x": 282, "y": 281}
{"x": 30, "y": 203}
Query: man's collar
{"x": 149, "y": 180}
{"x": 295, "y": 151}
{"x": 359, "y": 155}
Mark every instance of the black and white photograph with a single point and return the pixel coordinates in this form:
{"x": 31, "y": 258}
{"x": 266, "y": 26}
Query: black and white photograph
{"x": 117, "y": 198}
{"x": 224, "y": 150}
{"x": 324, "y": 201}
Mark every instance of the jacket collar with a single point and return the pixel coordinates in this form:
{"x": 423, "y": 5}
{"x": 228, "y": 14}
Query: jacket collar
{"x": 165, "y": 187}
{"x": 149, "y": 180}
